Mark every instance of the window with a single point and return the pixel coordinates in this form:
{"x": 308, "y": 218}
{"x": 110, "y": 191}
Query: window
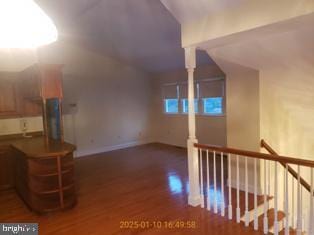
{"x": 209, "y": 97}
{"x": 185, "y": 105}
{"x": 171, "y": 98}
{"x": 213, "y": 106}
{"x": 171, "y": 106}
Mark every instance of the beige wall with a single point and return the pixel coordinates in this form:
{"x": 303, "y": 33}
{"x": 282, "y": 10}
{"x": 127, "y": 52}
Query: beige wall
{"x": 286, "y": 88}
{"x": 113, "y": 100}
{"x": 243, "y": 117}
{"x": 15, "y": 60}
{"x": 287, "y": 110}
{"x": 13, "y": 126}
{"x": 246, "y": 16}
{"x": 173, "y": 129}
{"x": 242, "y": 91}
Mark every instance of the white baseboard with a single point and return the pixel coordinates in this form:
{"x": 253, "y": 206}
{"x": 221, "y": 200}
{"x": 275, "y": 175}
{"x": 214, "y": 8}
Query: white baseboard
{"x": 86, "y": 152}
{"x": 171, "y": 144}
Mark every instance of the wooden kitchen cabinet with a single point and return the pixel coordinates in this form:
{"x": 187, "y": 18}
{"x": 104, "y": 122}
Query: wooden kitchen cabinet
{"x": 6, "y": 168}
{"x": 41, "y": 81}
{"x": 29, "y": 83}
{"x": 9, "y": 101}
{"x": 22, "y": 94}
{"x": 45, "y": 174}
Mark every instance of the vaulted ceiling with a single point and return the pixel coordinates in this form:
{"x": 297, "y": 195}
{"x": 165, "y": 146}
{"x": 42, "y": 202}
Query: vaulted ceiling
{"x": 186, "y": 11}
{"x": 143, "y": 33}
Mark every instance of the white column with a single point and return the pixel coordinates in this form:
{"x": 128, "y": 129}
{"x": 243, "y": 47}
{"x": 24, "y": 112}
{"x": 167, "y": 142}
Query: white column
{"x": 194, "y": 193}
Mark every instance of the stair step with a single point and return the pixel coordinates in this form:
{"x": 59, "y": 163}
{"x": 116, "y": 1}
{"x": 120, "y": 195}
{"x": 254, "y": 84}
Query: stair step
{"x": 260, "y": 201}
{"x": 270, "y": 216}
{"x": 291, "y": 232}
{"x": 259, "y": 209}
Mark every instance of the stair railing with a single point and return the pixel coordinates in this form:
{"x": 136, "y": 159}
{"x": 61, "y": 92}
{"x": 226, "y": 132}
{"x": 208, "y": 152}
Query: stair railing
{"x": 242, "y": 166}
{"x": 306, "y": 185}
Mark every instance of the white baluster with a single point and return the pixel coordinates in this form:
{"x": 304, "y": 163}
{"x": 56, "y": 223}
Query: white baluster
{"x": 302, "y": 212}
{"x": 276, "y": 201}
{"x": 229, "y": 184}
{"x": 292, "y": 204}
{"x": 287, "y": 227}
{"x": 265, "y": 221}
{"x": 255, "y": 196}
{"x": 201, "y": 175}
{"x": 208, "y": 183}
{"x": 222, "y": 186}
{"x": 299, "y": 215}
{"x": 311, "y": 230}
{"x": 269, "y": 180}
{"x": 215, "y": 186}
{"x": 247, "y": 214}
{"x": 238, "y": 192}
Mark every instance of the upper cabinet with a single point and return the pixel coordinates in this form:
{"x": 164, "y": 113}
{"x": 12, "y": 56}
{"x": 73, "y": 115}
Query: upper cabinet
{"x": 9, "y": 102}
{"x": 21, "y": 94}
{"x": 51, "y": 81}
{"x": 42, "y": 81}
{"x": 29, "y": 83}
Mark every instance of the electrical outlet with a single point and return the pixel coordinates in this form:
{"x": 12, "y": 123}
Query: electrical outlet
{"x": 23, "y": 125}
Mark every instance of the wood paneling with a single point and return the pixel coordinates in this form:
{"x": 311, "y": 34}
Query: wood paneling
{"x": 145, "y": 183}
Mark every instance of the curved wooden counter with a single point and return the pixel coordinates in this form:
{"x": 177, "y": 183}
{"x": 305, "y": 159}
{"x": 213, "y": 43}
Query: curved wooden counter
{"x": 38, "y": 147}
{"x": 44, "y": 174}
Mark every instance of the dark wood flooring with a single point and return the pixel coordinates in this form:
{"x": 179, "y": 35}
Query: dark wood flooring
{"x": 145, "y": 183}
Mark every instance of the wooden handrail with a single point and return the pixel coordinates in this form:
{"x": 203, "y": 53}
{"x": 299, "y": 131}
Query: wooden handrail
{"x": 290, "y": 169}
{"x": 272, "y": 157}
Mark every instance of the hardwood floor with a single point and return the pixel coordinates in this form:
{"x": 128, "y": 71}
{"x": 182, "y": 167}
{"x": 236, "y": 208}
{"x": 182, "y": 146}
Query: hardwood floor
{"x": 145, "y": 183}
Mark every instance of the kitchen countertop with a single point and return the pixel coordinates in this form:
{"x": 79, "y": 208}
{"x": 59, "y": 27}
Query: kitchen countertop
{"x": 37, "y": 146}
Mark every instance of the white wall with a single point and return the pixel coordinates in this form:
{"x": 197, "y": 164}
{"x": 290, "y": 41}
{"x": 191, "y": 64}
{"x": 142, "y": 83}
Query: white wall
{"x": 173, "y": 129}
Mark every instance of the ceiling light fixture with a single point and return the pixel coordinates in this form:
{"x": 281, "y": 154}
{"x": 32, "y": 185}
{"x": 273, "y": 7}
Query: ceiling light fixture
{"x": 23, "y": 24}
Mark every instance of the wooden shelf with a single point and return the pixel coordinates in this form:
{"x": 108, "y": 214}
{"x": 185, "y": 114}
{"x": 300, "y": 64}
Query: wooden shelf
{"x": 55, "y": 190}
{"x": 53, "y": 174}
{"x": 46, "y": 184}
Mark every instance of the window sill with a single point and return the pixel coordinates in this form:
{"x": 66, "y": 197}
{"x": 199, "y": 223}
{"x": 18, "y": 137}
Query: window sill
{"x": 197, "y": 114}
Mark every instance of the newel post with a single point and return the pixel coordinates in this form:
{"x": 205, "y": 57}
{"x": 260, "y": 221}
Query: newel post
{"x": 193, "y": 166}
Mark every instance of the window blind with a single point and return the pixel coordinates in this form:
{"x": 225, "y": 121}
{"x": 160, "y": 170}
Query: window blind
{"x": 184, "y": 91}
{"x": 213, "y": 88}
{"x": 170, "y": 91}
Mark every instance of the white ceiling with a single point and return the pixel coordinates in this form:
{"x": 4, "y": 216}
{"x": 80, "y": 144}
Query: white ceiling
{"x": 189, "y": 10}
{"x": 143, "y": 33}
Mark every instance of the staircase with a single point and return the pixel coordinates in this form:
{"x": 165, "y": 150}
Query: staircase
{"x": 281, "y": 209}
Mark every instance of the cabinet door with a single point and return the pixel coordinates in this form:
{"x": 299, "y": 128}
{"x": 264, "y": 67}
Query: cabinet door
{"x": 8, "y": 95}
{"x": 29, "y": 90}
{"x": 30, "y": 87}
{"x": 31, "y": 108}
{"x": 6, "y": 168}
